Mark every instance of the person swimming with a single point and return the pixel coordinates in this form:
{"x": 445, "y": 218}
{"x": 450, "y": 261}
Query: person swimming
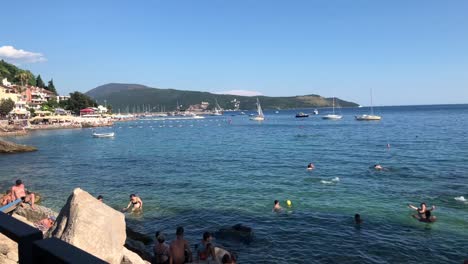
{"x": 135, "y": 202}
{"x": 378, "y": 167}
{"x": 421, "y": 212}
{"x": 310, "y": 166}
{"x": 357, "y": 219}
{"x": 428, "y": 218}
{"x": 277, "y": 207}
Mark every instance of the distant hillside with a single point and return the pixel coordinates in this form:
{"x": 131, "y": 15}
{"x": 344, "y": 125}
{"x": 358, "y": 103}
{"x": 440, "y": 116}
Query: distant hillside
{"x": 121, "y": 96}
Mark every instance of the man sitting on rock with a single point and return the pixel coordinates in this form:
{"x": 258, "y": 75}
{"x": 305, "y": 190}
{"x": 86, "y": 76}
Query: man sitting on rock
{"x": 180, "y": 249}
{"x": 19, "y": 192}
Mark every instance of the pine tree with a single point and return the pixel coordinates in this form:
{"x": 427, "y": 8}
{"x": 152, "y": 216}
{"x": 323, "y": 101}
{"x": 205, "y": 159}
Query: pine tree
{"x": 40, "y": 82}
{"x": 51, "y": 87}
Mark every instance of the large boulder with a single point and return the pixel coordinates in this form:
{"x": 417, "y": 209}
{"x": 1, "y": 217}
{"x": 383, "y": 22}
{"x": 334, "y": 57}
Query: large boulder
{"x": 9, "y": 147}
{"x": 36, "y": 214}
{"x": 91, "y": 226}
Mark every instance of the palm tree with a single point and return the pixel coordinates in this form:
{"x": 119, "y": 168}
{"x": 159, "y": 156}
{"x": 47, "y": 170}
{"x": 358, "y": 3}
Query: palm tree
{"x": 23, "y": 76}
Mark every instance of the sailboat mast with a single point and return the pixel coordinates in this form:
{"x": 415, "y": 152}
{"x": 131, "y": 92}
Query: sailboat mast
{"x": 371, "y": 103}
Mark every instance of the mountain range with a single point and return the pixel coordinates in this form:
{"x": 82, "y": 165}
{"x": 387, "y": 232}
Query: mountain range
{"x": 127, "y": 96}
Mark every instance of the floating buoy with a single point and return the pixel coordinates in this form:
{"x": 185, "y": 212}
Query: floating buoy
{"x": 288, "y": 202}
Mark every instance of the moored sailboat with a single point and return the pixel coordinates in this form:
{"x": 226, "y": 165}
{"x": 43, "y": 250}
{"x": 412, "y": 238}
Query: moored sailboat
{"x": 259, "y": 116}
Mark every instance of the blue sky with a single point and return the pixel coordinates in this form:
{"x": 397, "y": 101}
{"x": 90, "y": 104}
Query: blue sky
{"x": 408, "y": 52}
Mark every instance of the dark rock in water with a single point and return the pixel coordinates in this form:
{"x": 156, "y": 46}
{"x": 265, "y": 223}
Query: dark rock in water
{"x": 237, "y": 232}
{"x": 134, "y": 235}
{"x": 136, "y": 242}
{"x": 139, "y": 248}
{"x": 9, "y": 147}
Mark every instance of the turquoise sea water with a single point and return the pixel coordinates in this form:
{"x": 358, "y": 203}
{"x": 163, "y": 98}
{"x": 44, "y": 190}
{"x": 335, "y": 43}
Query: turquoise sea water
{"x": 220, "y": 171}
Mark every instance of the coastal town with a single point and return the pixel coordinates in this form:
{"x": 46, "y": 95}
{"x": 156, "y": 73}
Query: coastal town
{"x": 30, "y": 108}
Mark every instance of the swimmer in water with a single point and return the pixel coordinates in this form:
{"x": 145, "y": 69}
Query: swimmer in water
{"x": 378, "y": 167}
{"x": 428, "y": 218}
{"x": 357, "y": 219}
{"x": 310, "y": 166}
{"x": 135, "y": 202}
{"x": 421, "y": 212}
{"x": 277, "y": 207}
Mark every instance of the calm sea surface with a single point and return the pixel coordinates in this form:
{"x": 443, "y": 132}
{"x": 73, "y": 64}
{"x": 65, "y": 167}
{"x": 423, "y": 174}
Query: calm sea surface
{"x": 219, "y": 171}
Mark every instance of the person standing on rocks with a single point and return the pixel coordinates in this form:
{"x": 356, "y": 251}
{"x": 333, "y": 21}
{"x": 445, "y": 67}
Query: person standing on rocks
{"x": 19, "y": 192}
{"x": 180, "y": 249}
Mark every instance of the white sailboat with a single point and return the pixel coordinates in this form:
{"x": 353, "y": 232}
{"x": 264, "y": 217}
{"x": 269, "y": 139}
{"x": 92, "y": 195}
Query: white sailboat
{"x": 370, "y": 117}
{"x": 332, "y": 116}
{"x": 217, "y": 111}
{"x": 259, "y": 116}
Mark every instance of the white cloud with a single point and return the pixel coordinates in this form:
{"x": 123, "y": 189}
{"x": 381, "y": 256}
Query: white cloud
{"x": 240, "y": 92}
{"x": 9, "y": 53}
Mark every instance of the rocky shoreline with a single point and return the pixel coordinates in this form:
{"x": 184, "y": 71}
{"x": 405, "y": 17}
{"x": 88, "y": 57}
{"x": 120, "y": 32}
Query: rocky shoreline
{"x": 106, "y": 237}
{"x": 10, "y": 147}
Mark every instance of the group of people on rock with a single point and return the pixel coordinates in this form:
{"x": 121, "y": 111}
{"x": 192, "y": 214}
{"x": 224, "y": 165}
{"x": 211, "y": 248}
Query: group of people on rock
{"x": 18, "y": 191}
{"x": 179, "y": 252}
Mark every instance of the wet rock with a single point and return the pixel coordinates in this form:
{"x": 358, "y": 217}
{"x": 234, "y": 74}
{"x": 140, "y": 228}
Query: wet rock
{"x": 9, "y": 147}
{"x": 237, "y": 232}
{"x": 132, "y": 234}
{"x": 139, "y": 248}
{"x": 130, "y": 257}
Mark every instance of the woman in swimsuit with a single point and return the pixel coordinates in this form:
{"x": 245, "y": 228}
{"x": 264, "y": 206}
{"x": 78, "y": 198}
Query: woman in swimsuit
{"x": 135, "y": 202}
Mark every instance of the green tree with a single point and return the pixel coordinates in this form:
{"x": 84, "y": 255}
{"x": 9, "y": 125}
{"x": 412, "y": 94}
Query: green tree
{"x": 6, "y": 105}
{"x": 23, "y": 78}
{"x": 40, "y": 82}
{"x": 79, "y": 101}
{"x": 51, "y": 87}
{"x": 49, "y": 105}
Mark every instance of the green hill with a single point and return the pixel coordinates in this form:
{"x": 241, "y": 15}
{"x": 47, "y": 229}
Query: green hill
{"x": 121, "y": 96}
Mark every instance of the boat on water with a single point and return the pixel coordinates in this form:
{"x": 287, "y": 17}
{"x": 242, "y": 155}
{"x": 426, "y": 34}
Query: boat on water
{"x": 259, "y": 116}
{"x": 316, "y": 112}
{"x": 217, "y": 111}
{"x": 301, "y": 115}
{"x": 370, "y": 117}
{"x": 103, "y": 135}
{"x": 332, "y": 116}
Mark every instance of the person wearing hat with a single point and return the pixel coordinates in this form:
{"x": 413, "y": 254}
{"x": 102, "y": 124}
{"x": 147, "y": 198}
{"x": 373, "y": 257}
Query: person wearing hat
{"x": 161, "y": 250}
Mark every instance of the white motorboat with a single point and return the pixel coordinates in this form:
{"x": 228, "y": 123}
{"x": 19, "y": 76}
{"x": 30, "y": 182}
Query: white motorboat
{"x": 259, "y": 116}
{"x": 103, "y": 135}
{"x": 332, "y": 116}
{"x": 370, "y": 117}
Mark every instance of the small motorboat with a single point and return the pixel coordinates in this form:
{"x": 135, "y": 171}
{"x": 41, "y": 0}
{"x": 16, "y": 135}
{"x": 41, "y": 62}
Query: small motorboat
{"x": 368, "y": 118}
{"x": 103, "y": 135}
{"x": 301, "y": 114}
{"x": 316, "y": 112}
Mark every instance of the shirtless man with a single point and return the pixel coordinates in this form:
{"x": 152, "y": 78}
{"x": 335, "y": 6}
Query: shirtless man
{"x": 135, "y": 202}
{"x": 179, "y": 248}
{"x": 19, "y": 192}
